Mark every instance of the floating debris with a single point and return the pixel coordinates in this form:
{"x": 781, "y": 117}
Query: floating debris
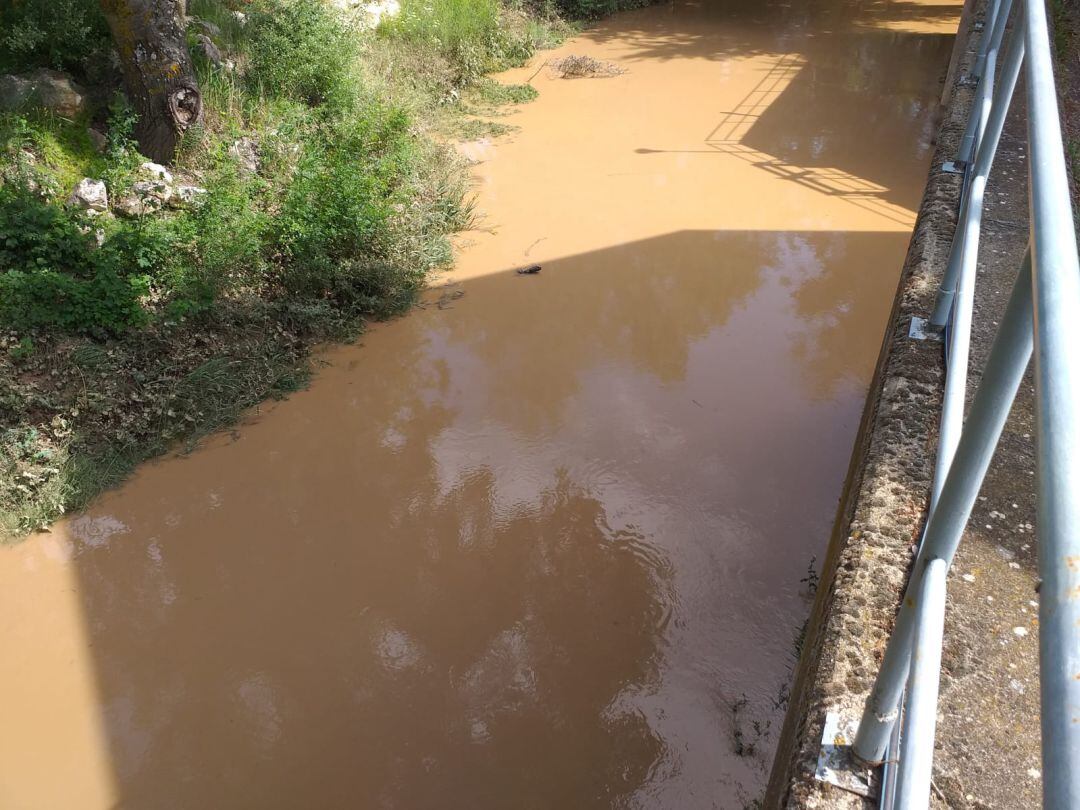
{"x": 447, "y": 297}
{"x": 531, "y": 270}
{"x": 582, "y": 67}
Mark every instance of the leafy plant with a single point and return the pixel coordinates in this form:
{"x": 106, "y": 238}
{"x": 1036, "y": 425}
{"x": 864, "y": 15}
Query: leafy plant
{"x": 468, "y": 33}
{"x": 21, "y": 350}
{"x": 334, "y": 224}
{"x": 62, "y": 34}
{"x": 301, "y": 50}
{"x": 51, "y": 275}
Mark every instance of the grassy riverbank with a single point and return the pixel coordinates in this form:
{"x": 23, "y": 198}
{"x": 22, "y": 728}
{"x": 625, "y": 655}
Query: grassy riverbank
{"x": 320, "y": 195}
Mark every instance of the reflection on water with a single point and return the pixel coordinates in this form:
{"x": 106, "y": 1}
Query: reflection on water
{"x": 538, "y": 548}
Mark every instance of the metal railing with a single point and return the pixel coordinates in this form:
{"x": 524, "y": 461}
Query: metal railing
{"x": 1043, "y": 314}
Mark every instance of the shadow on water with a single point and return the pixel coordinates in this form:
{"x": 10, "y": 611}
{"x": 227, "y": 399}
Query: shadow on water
{"x": 534, "y": 544}
{"x": 828, "y": 103}
{"x": 718, "y": 29}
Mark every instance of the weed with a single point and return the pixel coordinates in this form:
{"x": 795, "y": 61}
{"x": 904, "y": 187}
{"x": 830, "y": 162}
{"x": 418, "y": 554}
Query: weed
{"x": 745, "y": 743}
{"x": 465, "y": 32}
{"x": 1059, "y": 28}
{"x": 811, "y": 579}
{"x": 783, "y": 696}
{"x": 799, "y": 640}
{"x": 493, "y": 93}
{"x": 21, "y": 350}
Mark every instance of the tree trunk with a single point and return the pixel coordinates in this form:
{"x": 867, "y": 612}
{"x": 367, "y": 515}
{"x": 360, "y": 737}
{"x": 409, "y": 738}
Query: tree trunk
{"x": 158, "y": 74}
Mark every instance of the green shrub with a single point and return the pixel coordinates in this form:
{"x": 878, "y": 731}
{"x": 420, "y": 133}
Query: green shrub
{"x": 49, "y": 151}
{"x": 35, "y": 234}
{"x": 104, "y": 304}
{"x": 63, "y": 34}
{"x": 300, "y": 49}
{"x": 465, "y": 32}
{"x": 221, "y": 246}
{"x": 52, "y": 276}
{"x": 331, "y": 233}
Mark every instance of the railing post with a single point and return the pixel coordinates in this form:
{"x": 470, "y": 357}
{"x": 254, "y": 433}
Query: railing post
{"x": 990, "y": 409}
{"x": 920, "y": 714}
{"x": 999, "y": 108}
{"x": 1057, "y": 316}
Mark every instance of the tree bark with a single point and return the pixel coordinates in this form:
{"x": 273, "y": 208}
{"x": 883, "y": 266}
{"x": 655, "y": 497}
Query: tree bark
{"x": 158, "y": 74}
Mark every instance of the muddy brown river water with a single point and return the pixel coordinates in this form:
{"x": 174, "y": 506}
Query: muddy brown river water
{"x": 540, "y": 547}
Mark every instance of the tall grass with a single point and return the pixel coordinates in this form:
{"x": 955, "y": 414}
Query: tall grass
{"x": 473, "y": 36}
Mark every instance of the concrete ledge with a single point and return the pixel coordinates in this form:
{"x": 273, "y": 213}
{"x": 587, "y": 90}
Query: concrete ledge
{"x": 884, "y": 503}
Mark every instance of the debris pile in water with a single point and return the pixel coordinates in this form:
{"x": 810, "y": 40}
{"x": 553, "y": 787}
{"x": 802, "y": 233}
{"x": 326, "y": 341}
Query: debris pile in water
{"x": 579, "y": 67}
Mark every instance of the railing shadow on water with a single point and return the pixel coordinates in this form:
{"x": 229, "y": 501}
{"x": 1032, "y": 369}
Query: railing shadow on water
{"x": 814, "y": 120}
{"x": 721, "y": 29}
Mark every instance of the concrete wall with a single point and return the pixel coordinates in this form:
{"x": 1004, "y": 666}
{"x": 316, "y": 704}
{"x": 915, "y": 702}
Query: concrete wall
{"x": 884, "y": 504}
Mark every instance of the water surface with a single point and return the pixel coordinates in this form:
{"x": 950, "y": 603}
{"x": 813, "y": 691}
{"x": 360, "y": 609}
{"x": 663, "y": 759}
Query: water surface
{"x": 538, "y": 546}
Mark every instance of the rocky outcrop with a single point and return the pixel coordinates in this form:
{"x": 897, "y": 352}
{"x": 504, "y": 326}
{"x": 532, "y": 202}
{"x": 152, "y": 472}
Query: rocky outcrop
{"x": 157, "y": 189}
{"x": 45, "y": 88}
{"x": 187, "y": 196}
{"x": 210, "y": 52}
{"x": 150, "y": 193}
{"x": 246, "y": 154}
{"x": 98, "y": 139}
{"x": 90, "y": 195}
{"x": 369, "y": 14}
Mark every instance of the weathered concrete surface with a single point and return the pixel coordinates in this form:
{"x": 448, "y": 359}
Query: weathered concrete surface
{"x": 884, "y": 505}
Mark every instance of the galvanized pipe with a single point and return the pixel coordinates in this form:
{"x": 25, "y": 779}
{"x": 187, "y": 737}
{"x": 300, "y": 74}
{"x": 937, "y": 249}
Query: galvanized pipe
{"x": 889, "y": 768}
{"x": 1057, "y": 317}
{"x": 989, "y": 20}
{"x": 920, "y": 714}
{"x": 959, "y": 346}
{"x": 990, "y": 409}
{"x": 998, "y": 30}
{"x": 985, "y": 66}
{"x": 999, "y": 108}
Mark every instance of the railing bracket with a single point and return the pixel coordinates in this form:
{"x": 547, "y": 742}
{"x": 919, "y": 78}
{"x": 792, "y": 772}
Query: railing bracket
{"x": 968, "y": 80}
{"x": 836, "y": 764}
{"x": 920, "y": 329}
{"x": 954, "y": 166}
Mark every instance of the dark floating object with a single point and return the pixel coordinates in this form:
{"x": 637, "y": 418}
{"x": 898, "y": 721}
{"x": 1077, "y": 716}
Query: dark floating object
{"x": 531, "y": 270}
